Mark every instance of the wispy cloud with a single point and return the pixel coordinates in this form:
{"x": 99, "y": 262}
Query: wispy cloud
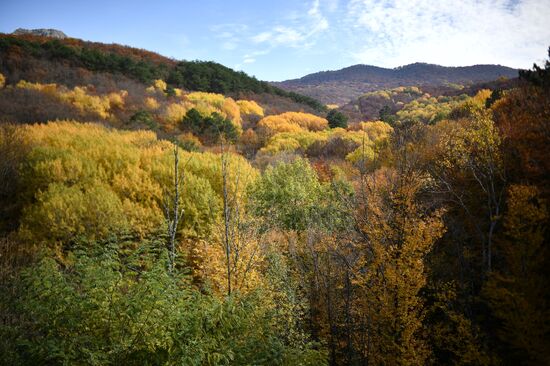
{"x": 395, "y": 32}
{"x": 229, "y": 34}
{"x": 299, "y": 34}
{"x": 298, "y": 30}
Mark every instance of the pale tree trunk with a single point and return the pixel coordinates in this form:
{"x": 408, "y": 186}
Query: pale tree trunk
{"x": 226, "y": 216}
{"x": 172, "y": 211}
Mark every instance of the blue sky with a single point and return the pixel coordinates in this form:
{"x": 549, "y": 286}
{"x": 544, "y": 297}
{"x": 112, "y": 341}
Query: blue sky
{"x": 277, "y": 40}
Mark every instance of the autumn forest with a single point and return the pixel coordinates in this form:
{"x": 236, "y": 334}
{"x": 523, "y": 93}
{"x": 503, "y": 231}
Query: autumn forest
{"x": 164, "y": 212}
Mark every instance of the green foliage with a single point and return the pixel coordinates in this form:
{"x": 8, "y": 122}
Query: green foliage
{"x": 110, "y": 308}
{"x": 213, "y": 128}
{"x": 144, "y": 117}
{"x": 289, "y": 194}
{"x": 193, "y": 121}
{"x": 337, "y": 119}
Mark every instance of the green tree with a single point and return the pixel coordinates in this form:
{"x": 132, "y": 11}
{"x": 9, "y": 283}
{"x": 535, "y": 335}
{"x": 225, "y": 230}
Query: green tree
{"x": 287, "y": 195}
{"x": 144, "y": 117}
{"x": 193, "y": 121}
{"x": 337, "y": 119}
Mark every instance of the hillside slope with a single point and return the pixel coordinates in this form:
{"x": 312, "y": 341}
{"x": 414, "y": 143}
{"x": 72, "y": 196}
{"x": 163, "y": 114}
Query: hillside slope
{"x": 44, "y": 59}
{"x": 343, "y": 85}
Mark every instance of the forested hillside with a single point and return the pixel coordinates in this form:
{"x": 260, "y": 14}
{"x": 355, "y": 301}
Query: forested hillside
{"x": 432, "y": 102}
{"x": 156, "y": 212}
{"x": 44, "y": 59}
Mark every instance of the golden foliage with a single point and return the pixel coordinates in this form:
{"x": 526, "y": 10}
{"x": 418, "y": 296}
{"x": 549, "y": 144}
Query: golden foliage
{"x": 116, "y": 100}
{"x": 2, "y": 80}
{"x": 367, "y": 140}
{"x": 392, "y": 271}
{"x": 208, "y": 103}
{"x": 174, "y": 113}
{"x": 376, "y": 130}
{"x": 80, "y": 98}
{"x": 292, "y": 122}
{"x": 84, "y": 180}
{"x": 250, "y": 107}
{"x": 189, "y": 138}
{"x": 46, "y": 88}
{"x": 205, "y": 104}
{"x": 151, "y": 103}
{"x": 160, "y": 85}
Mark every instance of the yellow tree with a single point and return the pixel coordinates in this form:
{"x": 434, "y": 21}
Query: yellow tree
{"x": 396, "y": 233}
{"x": 518, "y": 291}
{"x": 467, "y": 165}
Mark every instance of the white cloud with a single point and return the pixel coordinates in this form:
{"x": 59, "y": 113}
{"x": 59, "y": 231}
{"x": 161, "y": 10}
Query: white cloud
{"x": 262, "y": 37}
{"x": 449, "y": 32}
{"x": 249, "y": 60}
{"x": 297, "y": 35}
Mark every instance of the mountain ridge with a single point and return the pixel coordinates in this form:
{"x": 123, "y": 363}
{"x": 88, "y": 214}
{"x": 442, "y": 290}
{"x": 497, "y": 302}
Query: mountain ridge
{"x": 341, "y": 86}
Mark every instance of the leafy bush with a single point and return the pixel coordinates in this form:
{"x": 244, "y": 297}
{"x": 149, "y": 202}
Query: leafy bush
{"x": 110, "y": 306}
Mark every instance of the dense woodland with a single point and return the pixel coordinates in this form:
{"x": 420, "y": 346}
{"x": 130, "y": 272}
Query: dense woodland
{"x": 170, "y": 213}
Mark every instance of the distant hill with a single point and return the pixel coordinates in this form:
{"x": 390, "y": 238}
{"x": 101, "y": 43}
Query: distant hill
{"x": 45, "y": 56}
{"x": 342, "y": 86}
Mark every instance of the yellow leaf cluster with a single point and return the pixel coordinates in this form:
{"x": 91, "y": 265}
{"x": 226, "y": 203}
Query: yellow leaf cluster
{"x": 174, "y": 113}
{"x": 160, "y": 85}
{"x": 292, "y": 122}
{"x": 46, "y": 88}
{"x": 208, "y": 103}
{"x": 2, "y": 80}
{"x": 376, "y": 130}
{"x": 250, "y": 107}
{"x": 205, "y": 104}
{"x": 151, "y": 103}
